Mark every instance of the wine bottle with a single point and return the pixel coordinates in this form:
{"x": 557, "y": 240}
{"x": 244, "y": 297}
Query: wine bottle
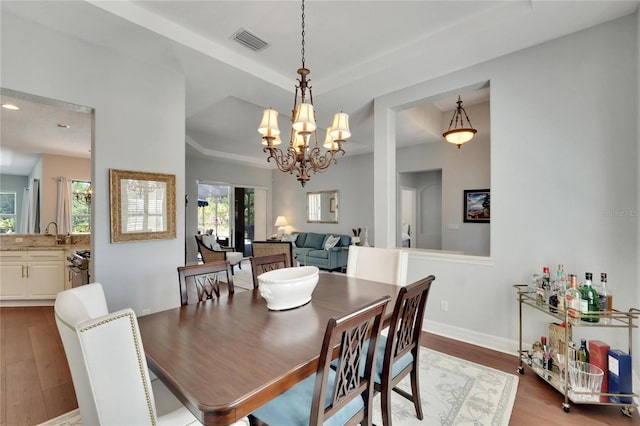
{"x": 589, "y": 306}
{"x": 572, "y": 297}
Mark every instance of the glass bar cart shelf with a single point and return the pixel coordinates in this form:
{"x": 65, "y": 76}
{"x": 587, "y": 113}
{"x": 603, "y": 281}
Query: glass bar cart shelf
{"x": 609, "y": 319}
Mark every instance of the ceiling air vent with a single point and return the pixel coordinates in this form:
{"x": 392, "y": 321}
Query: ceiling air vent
{"x": 249, "y": 40}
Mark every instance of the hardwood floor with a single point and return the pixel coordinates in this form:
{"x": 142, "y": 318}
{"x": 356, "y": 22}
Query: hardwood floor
{"x": 35, "y": 383}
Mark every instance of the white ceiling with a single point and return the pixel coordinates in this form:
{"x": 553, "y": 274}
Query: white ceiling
{"x": 356, "y": 50}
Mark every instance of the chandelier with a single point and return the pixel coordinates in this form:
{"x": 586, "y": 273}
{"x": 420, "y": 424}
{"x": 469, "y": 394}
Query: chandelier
{"x": 462, "y": 134}
{"x": 84, "y": 196}
{"x": 303, "y": 154}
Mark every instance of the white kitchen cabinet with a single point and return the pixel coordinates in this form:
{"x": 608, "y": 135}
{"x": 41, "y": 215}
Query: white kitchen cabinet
{"x": 31, "y": 274}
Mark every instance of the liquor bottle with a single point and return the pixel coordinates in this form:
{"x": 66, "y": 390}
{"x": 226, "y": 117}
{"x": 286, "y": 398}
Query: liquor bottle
{"x": 589, "y": 306}
{"x": 583, "y": 352}
{"x": 605, "y": 298}
{"x": 537, "y": 280}
{"x": 552, "y": 298}
{"x": 545, "y": 284}
{"x": 572, "y": 297}
{"x": 560, "y": 284}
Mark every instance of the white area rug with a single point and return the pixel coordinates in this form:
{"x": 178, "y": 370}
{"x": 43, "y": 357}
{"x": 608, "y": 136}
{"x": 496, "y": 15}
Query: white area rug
{"x": 453, "y": 391}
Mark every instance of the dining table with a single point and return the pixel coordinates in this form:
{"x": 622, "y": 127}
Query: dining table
{"x": 224, "y": 358}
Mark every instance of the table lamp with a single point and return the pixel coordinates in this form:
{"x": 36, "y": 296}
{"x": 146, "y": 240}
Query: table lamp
{"x": 281, "y": 223}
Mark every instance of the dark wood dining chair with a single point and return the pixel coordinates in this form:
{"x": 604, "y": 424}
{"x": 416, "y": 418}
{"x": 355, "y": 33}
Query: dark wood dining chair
{"x": 203, "y": 281}
{"x": 341, "y": 395}
{"x": 400, "y": 349}
{"x": 263, "y": 264}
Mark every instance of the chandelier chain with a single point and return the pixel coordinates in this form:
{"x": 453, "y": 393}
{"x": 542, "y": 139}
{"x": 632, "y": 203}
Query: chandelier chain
{"x": 302, "y": 49}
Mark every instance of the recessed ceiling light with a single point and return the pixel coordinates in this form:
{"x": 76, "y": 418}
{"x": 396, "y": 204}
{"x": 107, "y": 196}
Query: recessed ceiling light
{"x": 64, "y": 126}
{"x": 12, "y": 107}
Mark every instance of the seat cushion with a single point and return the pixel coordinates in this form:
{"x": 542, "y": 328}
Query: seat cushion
{"x": 294, "y": 406}
{"x": 322, "y": 254}
{"x": 234, "y": 257}
{"x": 398, "y": 366}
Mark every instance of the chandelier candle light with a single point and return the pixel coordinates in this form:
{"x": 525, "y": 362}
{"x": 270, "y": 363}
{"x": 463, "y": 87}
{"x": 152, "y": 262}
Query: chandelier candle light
{"x": 302, "y": 155}
{"x": 462, "y": 134}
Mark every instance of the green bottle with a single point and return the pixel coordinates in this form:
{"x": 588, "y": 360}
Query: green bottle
{"x": 589, "y": 306}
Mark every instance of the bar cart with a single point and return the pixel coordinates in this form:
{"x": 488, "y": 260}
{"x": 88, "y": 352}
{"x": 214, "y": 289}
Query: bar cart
{"x": 614, "y": 319}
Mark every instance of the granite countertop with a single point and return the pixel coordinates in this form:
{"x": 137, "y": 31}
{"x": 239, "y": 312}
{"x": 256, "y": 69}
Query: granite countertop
{"x": 16, "y": 242}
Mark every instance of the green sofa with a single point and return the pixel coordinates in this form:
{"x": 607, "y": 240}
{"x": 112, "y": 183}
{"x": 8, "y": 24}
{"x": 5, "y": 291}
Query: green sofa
{"x": 309, "y": 249}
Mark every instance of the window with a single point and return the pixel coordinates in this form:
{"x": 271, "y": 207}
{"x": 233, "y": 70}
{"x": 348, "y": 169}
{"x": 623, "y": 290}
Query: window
{"x": 80, "y": 206}
{"x": 214, "y": 210}
{"x": 7, "y": 212}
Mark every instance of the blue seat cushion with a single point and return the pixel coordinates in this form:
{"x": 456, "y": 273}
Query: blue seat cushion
{"x": 294, "y": 406}
{"x": 398, "y": 366}
{"x": 323, "y": 254}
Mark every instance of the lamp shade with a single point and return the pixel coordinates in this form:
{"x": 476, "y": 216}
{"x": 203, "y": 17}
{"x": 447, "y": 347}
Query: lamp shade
{"x": 459, "y": 136}
{"x": 301, "y": 142}
{"x": 269, "y": 124}
{"x": 340, "y": 127}
{"x": 280, "y": 221}
{"x": 328, "y": 141}
{"x": 305, "y": 118}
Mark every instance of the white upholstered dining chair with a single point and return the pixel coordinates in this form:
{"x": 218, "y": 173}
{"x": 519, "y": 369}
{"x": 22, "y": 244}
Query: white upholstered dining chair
{"x": 112, "y": 383}
{"x": 387, "y": 265}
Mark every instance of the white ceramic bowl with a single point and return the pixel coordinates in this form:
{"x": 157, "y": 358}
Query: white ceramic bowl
{"x": 288, "y": 288}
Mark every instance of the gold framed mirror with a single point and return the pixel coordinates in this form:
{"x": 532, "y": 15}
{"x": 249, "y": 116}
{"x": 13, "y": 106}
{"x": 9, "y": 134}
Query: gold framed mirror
{"x": 322, "y": 207}
{"x": 143, "y": 206}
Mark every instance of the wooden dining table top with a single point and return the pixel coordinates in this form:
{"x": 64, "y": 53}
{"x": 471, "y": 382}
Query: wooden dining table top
{"x": 225, "y": 358}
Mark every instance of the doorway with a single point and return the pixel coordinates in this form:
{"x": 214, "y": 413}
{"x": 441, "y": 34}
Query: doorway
{"x": 236, "y": 215}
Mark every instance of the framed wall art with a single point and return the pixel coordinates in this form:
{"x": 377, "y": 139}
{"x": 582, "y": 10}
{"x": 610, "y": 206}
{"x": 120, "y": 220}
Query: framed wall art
{"x": 143, "y": 206}
{"x": 477, "y": 205}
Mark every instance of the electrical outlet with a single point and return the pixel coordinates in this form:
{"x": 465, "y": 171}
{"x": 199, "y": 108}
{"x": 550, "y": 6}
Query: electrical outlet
{"x": 444, "y": 305}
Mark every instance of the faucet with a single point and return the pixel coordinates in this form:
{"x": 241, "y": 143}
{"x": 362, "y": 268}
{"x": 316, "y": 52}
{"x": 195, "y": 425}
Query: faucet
{"x": 46, "y": 231}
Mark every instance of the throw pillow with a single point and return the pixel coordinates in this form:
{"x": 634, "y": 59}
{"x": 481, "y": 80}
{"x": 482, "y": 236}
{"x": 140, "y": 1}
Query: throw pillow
{"x": 216, "y": 247}
{"x": 331, "y": 242}
{"x": 208, "y": 241}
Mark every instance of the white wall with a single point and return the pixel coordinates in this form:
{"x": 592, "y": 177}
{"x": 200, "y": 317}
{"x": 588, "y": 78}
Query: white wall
{"x": 54, "y": 166}
{"x": 564, "y": 161}
{"x": 352, "y": 177}
{"x": 139, "y": 125}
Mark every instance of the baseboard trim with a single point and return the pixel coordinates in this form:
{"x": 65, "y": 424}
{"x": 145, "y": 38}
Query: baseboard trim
{"x": 499, "y": 344}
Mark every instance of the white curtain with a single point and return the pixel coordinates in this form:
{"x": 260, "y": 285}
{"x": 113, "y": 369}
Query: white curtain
{"x": 63, "y": 206}
{"x": 33, "y": 211}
